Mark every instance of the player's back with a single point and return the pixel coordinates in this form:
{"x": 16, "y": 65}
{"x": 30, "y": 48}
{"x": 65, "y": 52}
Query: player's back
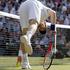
{"x": 23, "y": 13}
{"x": 28, "y": 10}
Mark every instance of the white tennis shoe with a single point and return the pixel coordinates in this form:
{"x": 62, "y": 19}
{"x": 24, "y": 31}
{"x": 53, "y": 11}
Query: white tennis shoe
{"x": 26, "y": 67}
{"x": 27, "y": 45}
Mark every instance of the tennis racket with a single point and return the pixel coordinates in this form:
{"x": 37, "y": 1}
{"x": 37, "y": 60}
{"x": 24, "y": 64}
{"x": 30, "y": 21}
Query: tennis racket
{"x": 48, "y": 59}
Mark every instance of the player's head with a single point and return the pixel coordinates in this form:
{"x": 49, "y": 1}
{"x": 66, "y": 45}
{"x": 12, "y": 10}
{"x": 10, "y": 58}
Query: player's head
{"x": 42, "y": 27}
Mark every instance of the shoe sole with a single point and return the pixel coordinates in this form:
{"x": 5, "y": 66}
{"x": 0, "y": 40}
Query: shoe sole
{"x": 27, "y": 68}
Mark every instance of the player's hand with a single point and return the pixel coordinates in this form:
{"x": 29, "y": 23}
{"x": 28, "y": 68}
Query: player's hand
{"x": 52, "y": 27}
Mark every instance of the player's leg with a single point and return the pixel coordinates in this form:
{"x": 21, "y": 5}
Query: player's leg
{"x": 19, "y": 58}
{"x": 26, "y": 44}
{"x": 27, "y": 37}
{"x": 25, "y": 60}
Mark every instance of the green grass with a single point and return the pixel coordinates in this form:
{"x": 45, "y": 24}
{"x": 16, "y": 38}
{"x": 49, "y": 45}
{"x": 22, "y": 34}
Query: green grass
{"x": 9, "y": 63}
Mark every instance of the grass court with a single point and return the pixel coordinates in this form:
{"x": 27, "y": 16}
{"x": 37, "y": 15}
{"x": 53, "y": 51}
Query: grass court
{"x": 9, "y": 63}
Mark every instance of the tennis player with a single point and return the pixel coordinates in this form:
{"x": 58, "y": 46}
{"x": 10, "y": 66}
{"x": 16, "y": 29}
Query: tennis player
{"x": 31, "y": 13}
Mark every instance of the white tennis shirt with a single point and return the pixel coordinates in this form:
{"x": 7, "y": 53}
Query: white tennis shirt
{"x": 32, "y": 9}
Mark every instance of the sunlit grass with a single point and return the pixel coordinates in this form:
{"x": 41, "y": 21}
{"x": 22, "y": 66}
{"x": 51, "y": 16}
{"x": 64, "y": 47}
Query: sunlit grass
{"x": 9, "y": 63}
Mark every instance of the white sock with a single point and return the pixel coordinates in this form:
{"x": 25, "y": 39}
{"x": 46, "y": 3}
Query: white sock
{"x": 20, "y": 53}
{"x": 31, "y": 30}
{"x": 25, "y": 60}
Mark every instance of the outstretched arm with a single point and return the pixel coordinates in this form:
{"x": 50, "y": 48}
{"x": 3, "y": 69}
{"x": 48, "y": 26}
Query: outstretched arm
{"x": 50, "y": 13}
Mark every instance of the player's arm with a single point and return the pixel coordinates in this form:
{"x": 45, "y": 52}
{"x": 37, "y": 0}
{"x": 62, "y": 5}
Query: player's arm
{"x": 50, "y": 13}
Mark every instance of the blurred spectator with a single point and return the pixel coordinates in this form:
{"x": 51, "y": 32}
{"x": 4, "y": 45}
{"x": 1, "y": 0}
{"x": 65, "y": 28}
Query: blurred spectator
{"x": 20, "y": 1}
{"x": 43, "y": 1}
{"x": 1, "y": 5}
{"x": 68, "y": 47}
{"x": 67, "y": 20}
{"x": 58, "y": 2}
{"x": 64, "y": 8}
{"x": 48, "y": 3}
{"x": 1, "y": 24}
{"x": 15, "y": 8}
{"x": 8, "y": 6}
